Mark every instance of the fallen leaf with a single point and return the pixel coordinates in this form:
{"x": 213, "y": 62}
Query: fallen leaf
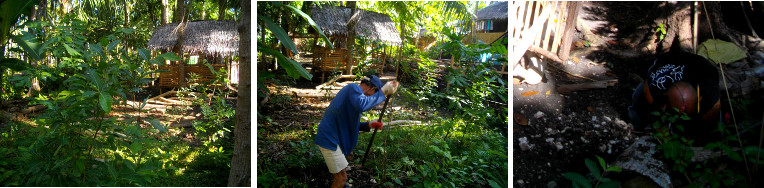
{"x": 590, "y": 109}
{"x": 548, "y": 92}
{"x": 575, "y": 59}
{"x": 529, "y": 93}
{"x": 520, "y": 119}
{"x": 612, "y": 42}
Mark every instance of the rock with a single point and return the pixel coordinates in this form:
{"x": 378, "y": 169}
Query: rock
{"x": 549, "y": 140}
{"x": 607, "y": 118}
{"x": 603, "y": 148}
{"x": 594, "y": 118}
{"x": 551, "y": 184}
{"x": 524, "y": 144}
{"x": 558, "y": 145}
{"x": 538, "y": 114}
{"x": 520, "y": 181}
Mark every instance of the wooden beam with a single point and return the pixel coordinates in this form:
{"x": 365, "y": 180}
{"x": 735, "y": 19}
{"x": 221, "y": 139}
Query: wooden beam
{"x": 570, "y": 26}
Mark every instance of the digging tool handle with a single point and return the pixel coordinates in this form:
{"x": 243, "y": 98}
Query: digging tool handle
{"x": 365, "y": 154}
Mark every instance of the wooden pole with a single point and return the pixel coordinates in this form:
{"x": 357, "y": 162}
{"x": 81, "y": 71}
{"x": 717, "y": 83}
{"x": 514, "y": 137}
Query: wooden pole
{"x": 570, "y": 26}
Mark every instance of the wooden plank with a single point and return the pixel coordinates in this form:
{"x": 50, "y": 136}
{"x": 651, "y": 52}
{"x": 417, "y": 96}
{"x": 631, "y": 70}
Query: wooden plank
{"x": 585, "y": 86}
{"x": 570, "y": 26}
{"x": 558, "y": 32}
{"x": 549, "y": 28}
{"x": 538, "y": 13}
{"x": 527, "y": 37}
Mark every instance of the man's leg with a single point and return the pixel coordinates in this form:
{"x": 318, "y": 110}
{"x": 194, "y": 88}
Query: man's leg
{"x": 336, "y": 162}
{"x": 636, "y": 108}
{"x": 339, "y": 179}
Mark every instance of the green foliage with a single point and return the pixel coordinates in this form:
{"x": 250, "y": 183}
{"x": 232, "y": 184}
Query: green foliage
{"x": 661, "y": 31}
{"x": 596, "y": 175}
{"x": 10, "y": 11}
{"x": 77, "y": 141}
{"x": 677, "y": 151}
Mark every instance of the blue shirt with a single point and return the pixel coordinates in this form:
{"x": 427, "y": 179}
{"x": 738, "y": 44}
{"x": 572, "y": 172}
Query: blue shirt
{"x": 341, "y": 120}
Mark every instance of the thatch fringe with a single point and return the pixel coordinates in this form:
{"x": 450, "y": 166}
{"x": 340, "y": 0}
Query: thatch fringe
{"x": 495, "y": 11}
{"x": 208, "y": 37}
{"x": 372, "y": 25}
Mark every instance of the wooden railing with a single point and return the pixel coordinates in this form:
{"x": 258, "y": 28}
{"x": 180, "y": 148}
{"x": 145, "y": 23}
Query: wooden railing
{"x": 541, "y": 26}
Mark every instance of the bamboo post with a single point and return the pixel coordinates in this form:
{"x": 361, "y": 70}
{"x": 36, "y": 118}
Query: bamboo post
{"x": 570, "y": 26}
{"x": 558, "y": 27}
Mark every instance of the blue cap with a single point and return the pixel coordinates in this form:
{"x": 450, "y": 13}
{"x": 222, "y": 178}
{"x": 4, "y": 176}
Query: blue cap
{"x": 374, "y": 80}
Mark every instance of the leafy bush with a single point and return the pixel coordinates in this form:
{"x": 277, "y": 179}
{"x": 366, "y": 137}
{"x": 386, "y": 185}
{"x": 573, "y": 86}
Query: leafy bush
{"x": 78, "y": 140}
{"x": 595, "y": 175}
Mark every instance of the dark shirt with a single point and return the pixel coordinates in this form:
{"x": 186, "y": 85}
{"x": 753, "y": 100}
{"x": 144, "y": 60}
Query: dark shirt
{"x": 672, "y": 67}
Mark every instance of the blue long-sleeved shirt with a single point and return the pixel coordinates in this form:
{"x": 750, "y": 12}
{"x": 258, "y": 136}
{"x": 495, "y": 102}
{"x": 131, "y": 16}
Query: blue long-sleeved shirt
{"x": 341, "y": 120}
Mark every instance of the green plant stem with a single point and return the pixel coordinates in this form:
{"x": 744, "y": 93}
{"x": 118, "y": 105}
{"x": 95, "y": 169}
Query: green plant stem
{"x": 98, "y": 128}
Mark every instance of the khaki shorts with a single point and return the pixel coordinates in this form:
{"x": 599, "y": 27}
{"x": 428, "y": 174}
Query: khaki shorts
{"x": 335, "y": 160}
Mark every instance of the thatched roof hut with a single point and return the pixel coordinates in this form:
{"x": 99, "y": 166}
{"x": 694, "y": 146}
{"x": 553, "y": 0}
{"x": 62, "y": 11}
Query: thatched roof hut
{"x": 495, "y": 11}
{"x": 372, "y": 25}
{"x": 208, "y": 37}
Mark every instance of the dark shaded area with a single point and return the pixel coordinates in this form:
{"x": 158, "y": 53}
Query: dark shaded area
{"x": 563, "y": 129}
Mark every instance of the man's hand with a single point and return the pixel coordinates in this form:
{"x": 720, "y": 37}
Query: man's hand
{"x": 390, "y": 88}
{"x": 376, "y": 124}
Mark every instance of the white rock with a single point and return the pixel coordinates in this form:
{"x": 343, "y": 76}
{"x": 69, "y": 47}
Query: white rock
{"x": 520, "y": 181}
{"x": 603, "y": 123}
{"x": 524, "y": 144}
{"x": 596, "y": 125}
{"x": 538, "y": 114}
{"x": 549, "y": 140}
{"x": 558, "y": 145}
{"x": 603, "y": 147}
{"x": 607, "y": 118}
{"x": 594, "y": 118}
{"x": 551, "y": 184}
{"x": 373, "y": 180}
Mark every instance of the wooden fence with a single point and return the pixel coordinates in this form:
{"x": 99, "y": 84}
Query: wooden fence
{"x": 545, "y": 26}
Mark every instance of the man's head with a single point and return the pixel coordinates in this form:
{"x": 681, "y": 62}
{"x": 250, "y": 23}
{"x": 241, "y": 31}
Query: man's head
{"x": 683, "y": 96}
{"x": 370, "y": 85}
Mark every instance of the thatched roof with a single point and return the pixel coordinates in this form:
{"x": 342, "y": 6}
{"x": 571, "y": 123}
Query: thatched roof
{"x": 372, "y": 25}
{"x": 495, "y": 11}
{"x": 209, "y": 37}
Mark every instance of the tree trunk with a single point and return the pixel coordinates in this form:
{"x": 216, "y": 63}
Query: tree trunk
{"x": 165, "y": 18}
{"x": 474, "y": 23}
{"x": 240, "y": 175}
{"x": 180, "y": 11}
{"x": 38, "y": 14}
{"x": 221, "y": 10}
{"x": 350, "y": 40}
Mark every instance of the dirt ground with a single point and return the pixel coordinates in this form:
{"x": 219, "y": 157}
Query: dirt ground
{"x": 554, "y": 132}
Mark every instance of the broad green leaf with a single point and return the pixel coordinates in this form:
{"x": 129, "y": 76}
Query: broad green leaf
{"x": 169, "y": 56}
{"x": 293, "y": 68}
{"x": 14, "y": 64}
{"x": 157, "y": 125}
{"x": 398, "y": 181}
{"x": 113, "y": 45}
{"x": 578, "y": 179}
{"x": 145, "y": 54}
{"x": 613, "y": 169}
{"x": 96, "y": 48}
{"x": 719, "y": 51}
{"x": 310, "y": 21}
{"x": 136, "y": 147}
{"x": 10, "y": 10}
{"x": 593, "y": 168}
{"x": 279, "y": 32}
{"x": 602, "y": 162}
{"x": 105, "y": 101}
{"x": 71, "y": 50}
{"x": 493, "y": 184}
{"x": 31, "y": 46}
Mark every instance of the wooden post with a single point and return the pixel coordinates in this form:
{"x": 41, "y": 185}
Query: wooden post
{"x": 570, "y": 27}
